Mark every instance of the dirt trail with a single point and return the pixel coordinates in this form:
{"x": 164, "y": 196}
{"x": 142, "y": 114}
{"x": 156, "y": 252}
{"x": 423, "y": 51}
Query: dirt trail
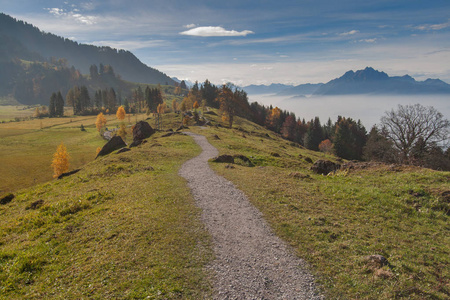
{"x": 251, "y": 262}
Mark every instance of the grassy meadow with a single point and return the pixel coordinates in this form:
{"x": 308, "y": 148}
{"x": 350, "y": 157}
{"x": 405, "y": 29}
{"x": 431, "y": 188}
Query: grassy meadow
{"x": 126, "y": 227}
{"x": 335, "y": 222}
{"x": 27, "y": 147}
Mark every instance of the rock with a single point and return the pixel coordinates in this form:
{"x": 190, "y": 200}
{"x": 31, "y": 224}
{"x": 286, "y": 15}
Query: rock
{"x": 325, "y": 167}
{"x": 210, "y": 113}
{"x": 245, "y": 159}
{"x": 216, "y": 137}
{"x": 308, "y": 160}
{"x": 123, "y": 150}
{"x": 142, "y": 130}
{"x": 137, "y": 143}
{"x": 6, "y": 199}
{"x": 224, "y": 159}
{"x": 377, "y": 261}
{"x": 35, "y": 204}
{"x": 68, "y": 173}
{"x": 112, "y": 145}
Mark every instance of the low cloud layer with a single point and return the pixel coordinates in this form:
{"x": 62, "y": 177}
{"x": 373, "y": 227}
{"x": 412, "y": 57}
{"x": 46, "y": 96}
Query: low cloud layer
{"x": 208, "y": 31}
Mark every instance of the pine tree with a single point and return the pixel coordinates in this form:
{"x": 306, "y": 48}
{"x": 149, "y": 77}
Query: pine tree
{"x": 52, "y": 106}
{"x": 59, "y": 105}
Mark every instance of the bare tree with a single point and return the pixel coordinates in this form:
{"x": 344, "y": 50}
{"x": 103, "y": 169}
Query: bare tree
{"x": 411, "y": 123}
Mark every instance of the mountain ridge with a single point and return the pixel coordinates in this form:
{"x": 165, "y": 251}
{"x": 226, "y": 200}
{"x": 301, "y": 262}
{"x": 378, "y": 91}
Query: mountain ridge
{"x": 81, "y": 56}
{"x": 365, "y": 81}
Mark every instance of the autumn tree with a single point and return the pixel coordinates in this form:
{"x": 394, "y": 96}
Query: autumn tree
{"x": 227, "y": 105}
{"x": 288, "y": 129}
{"x": 410, "y": 124}
{"x": 325, "y": 146}
{"x": 196, "y": 105}
{"x": 60, "y": 162}
{"x": 120, "y": 114}
{"x": 100, "y": 122}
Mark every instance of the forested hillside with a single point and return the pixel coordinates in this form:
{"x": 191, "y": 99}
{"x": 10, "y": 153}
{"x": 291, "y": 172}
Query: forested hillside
{"x": 33, "y": 64}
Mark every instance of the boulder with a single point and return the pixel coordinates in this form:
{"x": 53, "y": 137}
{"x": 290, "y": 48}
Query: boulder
{"x": 224, "y": 159}
{"x": 112, "y": 145}
{"x": 376, "y": 261}
{"x": 6, "y": 199}
{"x": 142, "y": 130}
{"x": 325, "y": 167}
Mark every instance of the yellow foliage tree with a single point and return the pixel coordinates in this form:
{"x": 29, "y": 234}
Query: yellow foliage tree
{"x": 196, "y": 105}
{"x": 120, "y": 114}
{"x": 100, "y": 122}
{"x": 161, "y": 108}
{"x": 60, "y": 162}
{"x": 122, "y": 132}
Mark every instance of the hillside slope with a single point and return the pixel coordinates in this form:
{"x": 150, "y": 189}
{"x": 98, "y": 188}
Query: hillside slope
{"x": 27, "y": 42}
{"x": 96, "y": 231}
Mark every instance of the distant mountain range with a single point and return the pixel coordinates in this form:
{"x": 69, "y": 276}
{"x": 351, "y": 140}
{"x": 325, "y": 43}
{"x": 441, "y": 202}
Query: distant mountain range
{"x": 26, "y": 42}
{"x": 367, "y": 81}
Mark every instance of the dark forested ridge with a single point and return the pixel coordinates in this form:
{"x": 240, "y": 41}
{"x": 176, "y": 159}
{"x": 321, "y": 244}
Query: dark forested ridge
{"x": 21, "y": 42}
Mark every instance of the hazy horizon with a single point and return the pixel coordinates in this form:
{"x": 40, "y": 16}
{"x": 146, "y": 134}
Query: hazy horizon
{"x": 367, "y": 108}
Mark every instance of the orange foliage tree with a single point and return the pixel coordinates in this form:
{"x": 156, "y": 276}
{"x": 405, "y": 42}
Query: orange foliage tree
{"x": 325, "y": 146}
{"x": 100, "y": 122}
{"x": 120, "y": 114}
{"x": 60, "y": 162}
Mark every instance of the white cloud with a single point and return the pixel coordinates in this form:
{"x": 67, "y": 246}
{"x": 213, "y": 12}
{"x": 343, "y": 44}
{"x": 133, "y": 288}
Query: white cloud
{"x": 351, "y": 32}
{"x": 433, "y": 26}
{"x": 189, "y": 26}
{"x": 73, "y": 15}
{"x": 208, "y": 31}
{"x": 369, "y": 40}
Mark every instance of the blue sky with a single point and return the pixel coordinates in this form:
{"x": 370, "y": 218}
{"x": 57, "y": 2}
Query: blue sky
{"x": 258, "y": 42}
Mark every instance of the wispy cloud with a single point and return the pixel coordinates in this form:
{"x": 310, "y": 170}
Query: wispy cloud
{"x": 207, "y": 31}
{"x": 433, "y": 26}
{"x": 368, "y": 40}
{"x": 72, "y": 14}
{"x": 132, "y": 44}
{"x": 351, "y": 32}
{"x": 189, "y": 26}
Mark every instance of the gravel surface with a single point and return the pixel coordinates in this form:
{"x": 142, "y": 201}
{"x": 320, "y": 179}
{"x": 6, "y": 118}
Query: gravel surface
{"x": 251, "y": 262}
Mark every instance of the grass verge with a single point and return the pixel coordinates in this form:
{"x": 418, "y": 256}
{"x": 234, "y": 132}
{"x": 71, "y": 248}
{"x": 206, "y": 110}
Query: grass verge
{"x": 125, "y": 227}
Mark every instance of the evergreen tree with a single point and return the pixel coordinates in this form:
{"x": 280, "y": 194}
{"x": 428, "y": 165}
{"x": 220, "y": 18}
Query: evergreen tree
{"x": 59, "y": 105}
{"x": 52, "y": 106}
{"x": 314, "y": 135}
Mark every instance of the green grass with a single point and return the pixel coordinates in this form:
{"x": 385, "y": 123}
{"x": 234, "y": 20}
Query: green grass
{"x": 125, "y": 227}
{"x": 334, "y": 222}
{"x": 27, "y": 147}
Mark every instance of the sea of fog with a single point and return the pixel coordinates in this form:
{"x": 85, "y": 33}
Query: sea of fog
{"x": 368, "y": 109}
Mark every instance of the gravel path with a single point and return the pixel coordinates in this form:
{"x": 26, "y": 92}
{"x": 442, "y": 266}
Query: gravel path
{"x": 251, "y": 262}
